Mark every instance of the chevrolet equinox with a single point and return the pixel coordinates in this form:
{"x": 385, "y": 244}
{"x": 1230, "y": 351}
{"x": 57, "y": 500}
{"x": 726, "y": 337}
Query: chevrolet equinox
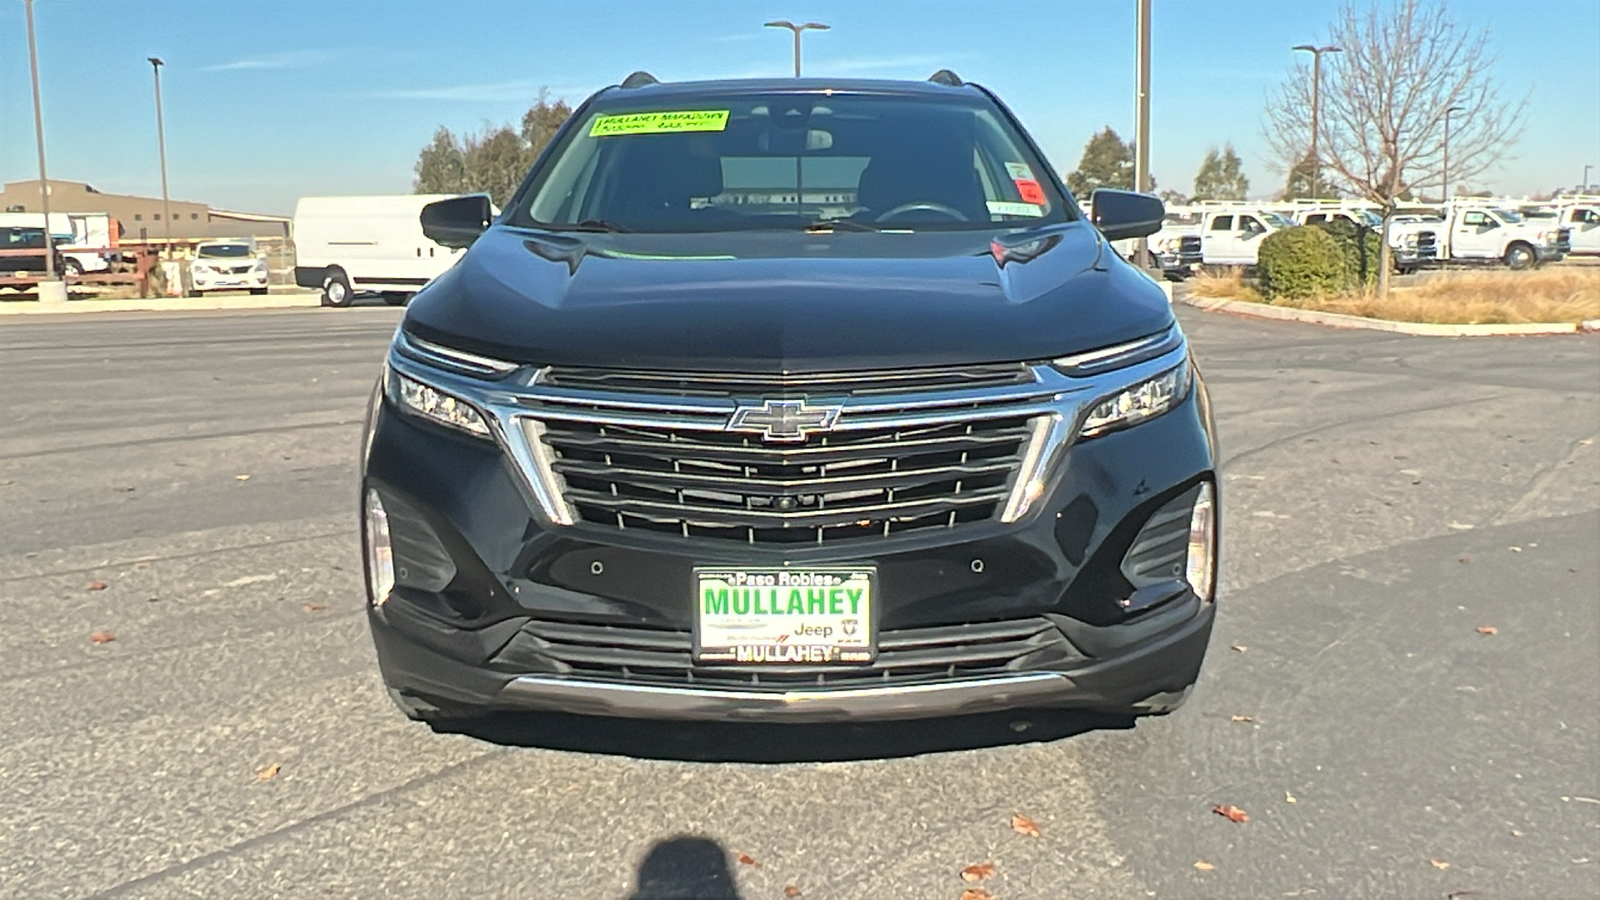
{"x": 809, "y": 399}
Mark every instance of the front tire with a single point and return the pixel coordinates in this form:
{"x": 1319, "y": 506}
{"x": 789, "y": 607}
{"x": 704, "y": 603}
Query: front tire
{"x": 1520, "y": 256}
{"x": 258, "y": 291}
{"x": 336, "y": 290}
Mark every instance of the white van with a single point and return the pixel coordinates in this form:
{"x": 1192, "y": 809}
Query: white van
{"x": 350, "y": 245}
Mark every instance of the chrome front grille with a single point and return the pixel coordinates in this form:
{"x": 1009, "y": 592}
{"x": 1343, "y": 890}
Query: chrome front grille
{"x": 901, "y": 450}
{"x": 837, "y": 486}
{"x": 853, "y": 384}
{"x": 636, "y": 655}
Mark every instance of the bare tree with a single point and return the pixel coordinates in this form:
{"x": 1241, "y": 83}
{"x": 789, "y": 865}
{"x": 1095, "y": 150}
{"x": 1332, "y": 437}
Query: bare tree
{"x": 1382, "y": 124}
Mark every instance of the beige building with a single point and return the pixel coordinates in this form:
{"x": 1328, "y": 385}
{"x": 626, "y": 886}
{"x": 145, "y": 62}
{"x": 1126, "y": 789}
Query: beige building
{"x": 141, "y": 217}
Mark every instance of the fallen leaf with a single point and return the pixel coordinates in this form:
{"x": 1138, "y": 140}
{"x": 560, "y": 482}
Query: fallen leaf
{"x": 977, "y": 872}
{"x": 748, "y": 860}
{"x": 1204, "y": 866}
{"x": 1465, "y": 559}
{"x": 101, "y": 637}
{"x": 1488, "y": 629}
{"x": 1515, "y": 549}
{"x": 1231, "y": 813}
{"x": 1516, "y": 833}
{"x": 95, "y": 586}
{"x": 269, "y": 772}
{"x": 1243, "y": 719}
{"x": 125, "y": 489}
{"x": 1438, "y": 864}
{"x": 1021, "y": 824}
{"x": 1289, "y": 798}
{"x": 976, "y": 894}
{"x": 314, "y": 607}
{"x": 791, "y": 891}
{"x": 1238, "y": 648}
{"x": 241, "y": 478}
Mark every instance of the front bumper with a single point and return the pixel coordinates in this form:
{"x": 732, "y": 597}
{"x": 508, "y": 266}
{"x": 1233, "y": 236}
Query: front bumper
{"x": 498, "y": 608}
{"x": 230, "y": 282}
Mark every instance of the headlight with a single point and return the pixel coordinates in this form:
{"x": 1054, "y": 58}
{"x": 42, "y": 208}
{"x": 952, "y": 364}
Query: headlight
{"x": 1138, "y": 403}
{"x": 432, "y": 403}
{"x": 200, "y": 269}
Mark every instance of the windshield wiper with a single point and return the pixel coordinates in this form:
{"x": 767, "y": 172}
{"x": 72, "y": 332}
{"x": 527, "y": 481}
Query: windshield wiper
{"x": 841, "y": 224}
{"x": 600, "y": 225}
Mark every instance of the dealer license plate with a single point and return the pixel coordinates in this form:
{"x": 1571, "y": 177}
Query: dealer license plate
{"x": 784, "y": 616}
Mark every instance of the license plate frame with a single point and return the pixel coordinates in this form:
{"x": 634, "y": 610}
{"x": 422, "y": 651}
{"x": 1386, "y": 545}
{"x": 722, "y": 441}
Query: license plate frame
{"x": 711, "y": 644}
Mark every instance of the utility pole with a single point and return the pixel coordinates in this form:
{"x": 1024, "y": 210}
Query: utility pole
{"x": 38, "y": 133}
{"x": 809, "y": 26}
{"x": 1141, "y": 131}
{"x": 161, "y": 142}
{"x": 1316, "y": 109}
{"x": 1446, "y": 173}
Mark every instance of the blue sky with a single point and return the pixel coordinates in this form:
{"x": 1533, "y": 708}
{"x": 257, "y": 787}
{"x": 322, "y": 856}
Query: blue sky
{"x": 267, "y": 102}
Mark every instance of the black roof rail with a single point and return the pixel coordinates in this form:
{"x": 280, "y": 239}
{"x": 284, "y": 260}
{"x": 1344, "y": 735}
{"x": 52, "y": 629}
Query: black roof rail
{"x": 946, "y": 78}
{"x": 639, "y": 79}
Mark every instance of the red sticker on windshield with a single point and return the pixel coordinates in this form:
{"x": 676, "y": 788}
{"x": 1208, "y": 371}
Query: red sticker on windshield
{"x": 1030, "y": 191}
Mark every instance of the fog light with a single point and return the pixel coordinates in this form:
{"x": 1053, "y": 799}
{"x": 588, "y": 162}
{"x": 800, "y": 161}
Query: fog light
{"x": 1201, "y": 569}
{"x": 380, "y": 553}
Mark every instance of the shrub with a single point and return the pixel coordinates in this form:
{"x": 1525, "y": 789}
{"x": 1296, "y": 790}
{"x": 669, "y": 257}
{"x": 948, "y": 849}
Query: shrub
{"x": 1298, "y": 262}
{"x": 1360, "y": 246}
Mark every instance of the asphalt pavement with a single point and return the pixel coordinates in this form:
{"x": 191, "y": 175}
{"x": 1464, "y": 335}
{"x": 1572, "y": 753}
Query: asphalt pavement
{"x": 186, "y": 483}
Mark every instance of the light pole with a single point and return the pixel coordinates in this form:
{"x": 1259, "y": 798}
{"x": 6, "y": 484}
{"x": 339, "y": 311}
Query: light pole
{"x": 38, "y": 133}
{"x": 809, "y": 26}
{"x": 1446, "y": 167}
{"x": 1141, "y": 131}
{"x": 161, "y": 142}
{"x": 1316, "y": 108}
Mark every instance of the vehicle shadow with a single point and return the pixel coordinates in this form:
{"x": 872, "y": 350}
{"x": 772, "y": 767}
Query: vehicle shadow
{"x": 753, "y": 742}
{"x": 685, "y": 868}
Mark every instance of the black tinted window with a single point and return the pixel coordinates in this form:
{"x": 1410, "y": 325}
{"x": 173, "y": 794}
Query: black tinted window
{"x": 791, "y": 160}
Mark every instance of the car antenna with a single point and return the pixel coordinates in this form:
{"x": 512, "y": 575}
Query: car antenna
{"x": 639, "y": 79}
{"x": 944, "y": 77}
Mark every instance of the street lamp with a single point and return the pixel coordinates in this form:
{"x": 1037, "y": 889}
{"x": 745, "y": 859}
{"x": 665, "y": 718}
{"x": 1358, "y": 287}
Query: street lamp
{"x": 44, "y": 179}
{"x": 1316, "y": 104}
{"x": 811, "y": 26}
{"x": 161, "y": 142}
{"x": 1446, "y": 173}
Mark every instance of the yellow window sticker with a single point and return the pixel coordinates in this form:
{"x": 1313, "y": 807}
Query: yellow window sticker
{"x": 660, "y": 122}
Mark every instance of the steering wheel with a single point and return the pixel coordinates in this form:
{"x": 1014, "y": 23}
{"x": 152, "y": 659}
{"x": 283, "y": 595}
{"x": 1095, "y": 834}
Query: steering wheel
{"x": 923, "y": 205}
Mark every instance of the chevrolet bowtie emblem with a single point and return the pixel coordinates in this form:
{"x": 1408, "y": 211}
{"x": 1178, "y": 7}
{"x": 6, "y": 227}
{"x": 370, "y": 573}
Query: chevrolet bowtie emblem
{"x": 783, "y": 420}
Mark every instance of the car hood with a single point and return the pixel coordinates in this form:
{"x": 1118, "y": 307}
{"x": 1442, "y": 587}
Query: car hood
{"x": 786, "y": 302}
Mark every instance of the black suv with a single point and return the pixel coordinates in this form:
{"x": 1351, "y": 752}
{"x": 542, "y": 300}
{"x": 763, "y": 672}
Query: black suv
{"x": 803, "y": 400}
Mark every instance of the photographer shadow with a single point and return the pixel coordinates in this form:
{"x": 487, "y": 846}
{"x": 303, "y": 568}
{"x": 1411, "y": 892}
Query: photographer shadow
{"x": 685, "y": 868}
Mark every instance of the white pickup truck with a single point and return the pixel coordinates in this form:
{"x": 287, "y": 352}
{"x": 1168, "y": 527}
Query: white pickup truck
{"x": 1411, "y": 248}
{"x": 1581, "y": 219}
{"x": 1232, "y": 235}
{"x": 1471, "y": 233}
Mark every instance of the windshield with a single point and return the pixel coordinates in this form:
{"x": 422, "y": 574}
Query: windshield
{"x": 1277, "y": 220}
{"x": 1507, "y": 215}
{"x": 1369, "y": 218}
{"x": 224, "y": 251}
{"x": 792, "y": 161}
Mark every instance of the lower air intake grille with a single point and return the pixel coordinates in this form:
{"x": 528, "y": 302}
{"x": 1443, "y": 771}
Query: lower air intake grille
{"x": 913, "y": 655}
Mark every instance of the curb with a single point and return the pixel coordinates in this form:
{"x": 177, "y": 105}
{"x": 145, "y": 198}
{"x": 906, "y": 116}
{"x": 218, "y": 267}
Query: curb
{"x": 160, "y": 304}
{"x": 1427, "y": 329}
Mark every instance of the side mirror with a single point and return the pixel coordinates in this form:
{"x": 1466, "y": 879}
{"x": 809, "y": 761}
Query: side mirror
{"x": 457, "y": 222}
{"x": 1125, "y": 214}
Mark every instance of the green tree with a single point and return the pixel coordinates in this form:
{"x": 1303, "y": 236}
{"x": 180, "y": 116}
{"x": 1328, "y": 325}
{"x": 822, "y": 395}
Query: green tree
{"x": 1174, "y": 198}
{"x": 1299, "y": 185}
{"x": 1107, "y": 162}
{"x": 441, "y": 166}
{"x": 493, "y": 160}
{"x": 1221, "y": 176}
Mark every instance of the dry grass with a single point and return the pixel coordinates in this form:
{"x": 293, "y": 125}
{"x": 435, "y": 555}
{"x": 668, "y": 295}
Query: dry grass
{"x": 1560, "y": 293}
{"x": 1230, "y": 284}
